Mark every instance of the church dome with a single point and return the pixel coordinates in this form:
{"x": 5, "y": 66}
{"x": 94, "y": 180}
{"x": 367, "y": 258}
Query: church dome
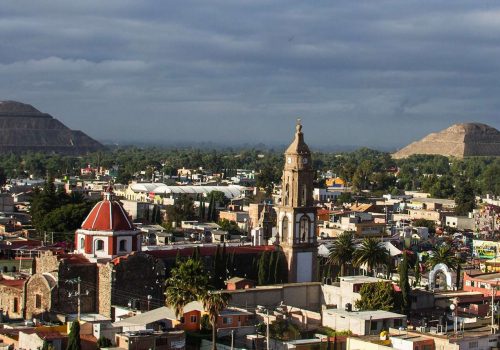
{"x": 107, "y": 215}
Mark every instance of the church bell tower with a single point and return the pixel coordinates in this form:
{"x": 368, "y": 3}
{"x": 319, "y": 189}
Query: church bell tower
{"x": 296, "y": 214}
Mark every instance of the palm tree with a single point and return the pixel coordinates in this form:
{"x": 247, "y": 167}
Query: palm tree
{"x": 443, "y": 254}
{"x": 371, "y": 252}
{"x": 214, "y": 303}
{"x": 342, "y": 251}
{"x": 187, "y": 282}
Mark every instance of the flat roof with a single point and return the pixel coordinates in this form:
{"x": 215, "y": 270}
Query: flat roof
{"x": 365, "y": 315}
{"x": 362, "y": 279}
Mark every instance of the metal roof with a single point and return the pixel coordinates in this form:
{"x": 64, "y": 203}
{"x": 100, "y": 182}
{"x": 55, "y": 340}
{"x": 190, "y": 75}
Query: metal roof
{"x": 230, "y": 192}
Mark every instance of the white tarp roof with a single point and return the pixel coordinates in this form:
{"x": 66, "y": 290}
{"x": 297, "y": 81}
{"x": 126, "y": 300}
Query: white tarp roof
{"x": 391, "y": 249}
{"x": 232, "y": 191}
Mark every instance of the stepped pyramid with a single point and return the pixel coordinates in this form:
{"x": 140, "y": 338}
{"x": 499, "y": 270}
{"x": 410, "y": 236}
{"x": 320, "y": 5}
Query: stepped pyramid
{"x": 459, "y": 140}
{"x": 24, "y": 128}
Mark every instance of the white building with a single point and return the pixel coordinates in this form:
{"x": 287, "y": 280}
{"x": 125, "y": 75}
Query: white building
{"x": 362, "y": 322}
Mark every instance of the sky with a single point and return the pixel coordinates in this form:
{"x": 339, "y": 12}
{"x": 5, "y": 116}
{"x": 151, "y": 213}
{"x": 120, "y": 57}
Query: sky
{"x": 358, "y": 73}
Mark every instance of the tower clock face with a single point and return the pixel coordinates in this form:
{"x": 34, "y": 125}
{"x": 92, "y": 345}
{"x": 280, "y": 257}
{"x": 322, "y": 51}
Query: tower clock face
{"x": 289, "y": 160}
{"x": 304, "y": 160}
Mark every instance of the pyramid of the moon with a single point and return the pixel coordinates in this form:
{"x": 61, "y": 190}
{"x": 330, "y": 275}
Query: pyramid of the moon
{"x": 24, "y": 128}
{"x": 459, "y": 140}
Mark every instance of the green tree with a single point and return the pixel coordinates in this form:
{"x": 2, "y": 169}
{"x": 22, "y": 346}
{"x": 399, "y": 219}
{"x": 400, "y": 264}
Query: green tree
{"x": 431, "y": 225}
{"x": 47, "y": 346}
{"x": 443, "y": 254}
{"x": 342, "y": 251}
{"x": 284, "y": 330}
{"x": 263, "y": 265}
{"x": 103, "y": 342}
{"x": 417, "y": 274}
{"x": 182, "y": 210}
{"x": 404, "y": 284}
{"x": 372, "y": 253}
{"x": 3, "y": 177}
{"x": 74, "y": 342}
{"x": 464, "y": 197}
{"x": 42, "y": 203}
{"x": 187, "y": 282}
{"x": 213, "y": 304}
{"x": 230, "y": 226}
{"x": 376, "y": 296}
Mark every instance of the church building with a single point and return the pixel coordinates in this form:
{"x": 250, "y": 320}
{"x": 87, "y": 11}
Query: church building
{"x": 296, "y": 214}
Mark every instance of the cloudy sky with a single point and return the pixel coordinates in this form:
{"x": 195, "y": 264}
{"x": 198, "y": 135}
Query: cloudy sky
{"x": 375, "y": 73}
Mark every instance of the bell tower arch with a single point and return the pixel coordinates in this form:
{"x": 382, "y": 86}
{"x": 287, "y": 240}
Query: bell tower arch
{"x": 296, "y": 213}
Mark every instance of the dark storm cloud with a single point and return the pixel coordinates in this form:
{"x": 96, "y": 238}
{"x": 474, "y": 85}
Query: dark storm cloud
{"x": 379, "y": 73}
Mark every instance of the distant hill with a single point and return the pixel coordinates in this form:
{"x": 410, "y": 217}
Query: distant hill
{"x": 24, "y": 128}
{"x": 459, "y": 140}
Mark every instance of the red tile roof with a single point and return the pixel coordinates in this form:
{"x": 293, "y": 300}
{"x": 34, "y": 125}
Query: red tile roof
{"x": 19, "y": 284}
{"x": 74, "y": 258}
{"x": 107, "y": 216}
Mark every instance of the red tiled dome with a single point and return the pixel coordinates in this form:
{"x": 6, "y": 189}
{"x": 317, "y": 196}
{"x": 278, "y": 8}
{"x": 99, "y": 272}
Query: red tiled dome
{"x": 107, "y": 216}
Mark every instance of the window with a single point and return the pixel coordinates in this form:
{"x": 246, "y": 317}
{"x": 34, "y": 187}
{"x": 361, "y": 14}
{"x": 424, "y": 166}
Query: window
{"x": 99, "y": 245}
{"x": 5, "y": 269}
{"x": 227, "y": 320}
{"x": 473, "y": 344}
{"x": 16, "y": 305}
{"x": 287, "y": 188}
{"x": 398, "y": 323}
{"x": 82, "y": 243}
{"x": 38, "y": 301}
{"x": 14, "y": 269}
{"x": 284, "y": 229}
{"x": 304, "y": 228}
{"x": 374, "y": 325}
{"x": 182, "y": 319}
{"x": 193, "y": 318}
{"x": 123, "y": 245}
{"x": 304, "y": 195}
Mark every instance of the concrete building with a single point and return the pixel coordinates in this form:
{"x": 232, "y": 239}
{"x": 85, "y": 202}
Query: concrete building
{"x": 460, "y": 222}
{"x": 362, "y": 322}
{"x": 346, "y": 291}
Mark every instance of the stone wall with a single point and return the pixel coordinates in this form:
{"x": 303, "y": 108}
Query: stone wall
{"x": 7, "y": 297}
{"x": 104, "y": 280}
{"x": 137, "y": 276}
{"x": 47, "y": 263}
{"x": 39, "y": 287}
{"x": 68, "y": 275}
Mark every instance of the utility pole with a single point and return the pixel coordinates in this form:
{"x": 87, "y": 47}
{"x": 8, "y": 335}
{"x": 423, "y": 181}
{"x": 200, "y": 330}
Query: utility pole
{"x": 77, "y": 294}
{"x": 493, "y": 290}
{"x": 267, "y": 329}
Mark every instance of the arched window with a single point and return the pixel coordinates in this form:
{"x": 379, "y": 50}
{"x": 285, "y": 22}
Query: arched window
{"x": 284, "y": 229}
{"x": 82, "y": 243}
{"x": 304, "y": 229}
{"x": 99, "y": 245}
{"x": 123, "y": 245}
